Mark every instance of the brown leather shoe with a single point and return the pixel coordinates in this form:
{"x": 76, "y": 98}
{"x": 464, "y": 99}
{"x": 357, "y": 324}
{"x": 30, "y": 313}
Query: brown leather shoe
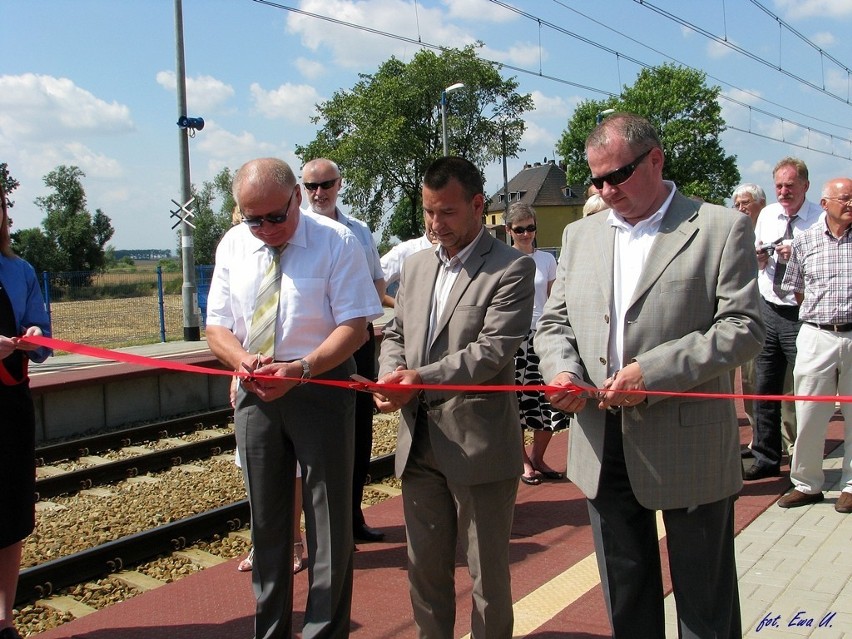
{"x": 796, "y": 498}
{"x": 844, "y": 503}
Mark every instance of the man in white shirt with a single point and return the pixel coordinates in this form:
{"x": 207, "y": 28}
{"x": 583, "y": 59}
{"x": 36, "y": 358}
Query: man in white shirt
{"x": 776, "y": 225}
{"x": 321, "y": 180}
{"x": 325, "y": 298}
{"x": 393, "y": 260}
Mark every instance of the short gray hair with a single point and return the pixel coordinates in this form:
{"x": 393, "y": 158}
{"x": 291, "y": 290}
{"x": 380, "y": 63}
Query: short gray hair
{"x": 264, "y": 171}
{"x": 518, "y": 211}
{"x": 756, "y": 192}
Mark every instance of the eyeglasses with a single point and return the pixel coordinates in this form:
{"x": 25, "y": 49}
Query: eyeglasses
{"x": 518, "y": 230}
{"x": 844, "y": 199}
{"x": 313, "y": 186}
{"x": 620, "y": 175}
{"x": 273, "y": 218}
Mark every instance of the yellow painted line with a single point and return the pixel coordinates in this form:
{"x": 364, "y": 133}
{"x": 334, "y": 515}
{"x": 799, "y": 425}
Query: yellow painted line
{"x": 549, "y": 599}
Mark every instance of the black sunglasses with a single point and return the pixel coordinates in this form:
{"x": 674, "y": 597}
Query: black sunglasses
{"x": 620, "y": 175}
{"x": 313, "y": 186}
{"x": 272, "y": 218}
{"x": 517, "y": 230}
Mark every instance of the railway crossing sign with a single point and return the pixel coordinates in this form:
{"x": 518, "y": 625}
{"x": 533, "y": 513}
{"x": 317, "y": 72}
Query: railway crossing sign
{"x": 183, "y": 213}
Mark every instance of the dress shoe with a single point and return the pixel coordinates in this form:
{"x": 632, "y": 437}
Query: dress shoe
{"x": 745, "y": 452}
{"x": 760, "y": 471}
{"x": 844, "y": 503}
{"x": 796, "y": 498}
{"x": 366, "y": 534}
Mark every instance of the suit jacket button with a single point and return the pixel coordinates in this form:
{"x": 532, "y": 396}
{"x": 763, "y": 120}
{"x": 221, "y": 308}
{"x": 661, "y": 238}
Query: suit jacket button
{"x": 606, "y": 319}
{"x": 602, "y": 360}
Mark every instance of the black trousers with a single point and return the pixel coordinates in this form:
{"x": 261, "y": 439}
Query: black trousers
{"x": 365, "y": 364}
{"x": 700, "y": 544}
{"x": 779, "y": 352}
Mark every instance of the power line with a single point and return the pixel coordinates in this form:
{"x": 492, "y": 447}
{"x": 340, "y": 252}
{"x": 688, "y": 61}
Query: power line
{"x": 617, "y": 54}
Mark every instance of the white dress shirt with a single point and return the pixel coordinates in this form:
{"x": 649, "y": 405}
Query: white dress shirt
{"x": 325, "y": 281}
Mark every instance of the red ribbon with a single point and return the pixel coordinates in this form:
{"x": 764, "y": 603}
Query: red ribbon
{"x": 140, "y": 360}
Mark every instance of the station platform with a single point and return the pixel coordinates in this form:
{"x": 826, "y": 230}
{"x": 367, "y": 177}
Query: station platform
{"x": 794, "y": 567}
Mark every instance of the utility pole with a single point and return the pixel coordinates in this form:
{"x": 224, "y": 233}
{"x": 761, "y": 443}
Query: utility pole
{"x": 189, "y": 293}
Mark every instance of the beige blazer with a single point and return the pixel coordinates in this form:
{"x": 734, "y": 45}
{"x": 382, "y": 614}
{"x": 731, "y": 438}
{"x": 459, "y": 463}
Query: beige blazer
{"x": 694, "y": 316}
{"x": 475, "y": 436}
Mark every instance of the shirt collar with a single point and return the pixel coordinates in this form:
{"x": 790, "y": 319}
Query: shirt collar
{"x": 648, "y": 225}
{"x": 462, "y": 255}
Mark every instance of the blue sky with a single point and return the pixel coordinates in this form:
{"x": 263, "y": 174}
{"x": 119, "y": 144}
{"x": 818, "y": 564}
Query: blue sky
{"x": 91, "y": 82}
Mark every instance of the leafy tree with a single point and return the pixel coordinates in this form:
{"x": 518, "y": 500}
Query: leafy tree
{"x": 687, "y": 115}
{"x": 210, "y": 224}
{"x": 386, "y": 130}
{"x": 9, "y": 183}
{"x": 72, "y": 239}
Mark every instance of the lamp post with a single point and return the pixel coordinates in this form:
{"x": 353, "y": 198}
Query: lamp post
{"x": 600, "y": 116}
{"x": 444, "y": 94}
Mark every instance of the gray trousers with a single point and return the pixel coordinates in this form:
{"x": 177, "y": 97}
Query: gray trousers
{"x": 313, "y": 424}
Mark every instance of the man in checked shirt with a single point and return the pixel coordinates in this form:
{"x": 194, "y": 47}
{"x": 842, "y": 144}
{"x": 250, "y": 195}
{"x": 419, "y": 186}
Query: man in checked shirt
{"x": 819, "y": 273}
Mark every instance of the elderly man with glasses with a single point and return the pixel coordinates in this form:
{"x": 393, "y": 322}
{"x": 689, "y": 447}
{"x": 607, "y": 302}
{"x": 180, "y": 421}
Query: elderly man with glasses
{"x": 289, "y": 301}
{"x": 322, "y": 182}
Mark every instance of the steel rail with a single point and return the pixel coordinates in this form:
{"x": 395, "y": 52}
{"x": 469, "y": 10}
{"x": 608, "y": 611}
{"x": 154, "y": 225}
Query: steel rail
{"x": 48, "y": 578}
{"x": 84, "y": 478}
{"x": 82, "y": 446}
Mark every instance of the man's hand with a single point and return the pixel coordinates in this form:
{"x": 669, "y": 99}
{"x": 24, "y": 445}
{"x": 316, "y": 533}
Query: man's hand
{"x": 10, "y": 344}
{"x": 269, "y": 389}
{"x": 569, "y": 401}
{"x": 390, "y": 400}
{"x": 625, "y": 388}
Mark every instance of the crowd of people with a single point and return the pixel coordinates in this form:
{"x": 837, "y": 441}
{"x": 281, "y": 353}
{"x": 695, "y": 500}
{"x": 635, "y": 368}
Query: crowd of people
{"x": 653, "y": 291}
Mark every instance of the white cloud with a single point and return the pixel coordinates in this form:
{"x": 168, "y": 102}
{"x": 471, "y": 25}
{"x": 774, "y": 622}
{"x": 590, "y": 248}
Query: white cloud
{"x": 479, "y": 11}
{"x": 797, "y": 9}
{"x": 536, "y": 137}
{"x": 823, "y": 39}
{"x": 521, "y": 54}
{"x": 311, "y": 69}
{"x": 356, "y": 49}
{"x": 204, "y": 93}
{"x": 292, "y": 102}
{"x": 224, "y": 148}
{"x": 546, "y": 106}
{"x": 716, "y": 50}
{"x": 42, "y": 108}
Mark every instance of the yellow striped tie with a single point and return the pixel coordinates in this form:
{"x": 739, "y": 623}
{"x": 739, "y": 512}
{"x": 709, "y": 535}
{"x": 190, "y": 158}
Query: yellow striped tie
{"x": 265, "y": 317}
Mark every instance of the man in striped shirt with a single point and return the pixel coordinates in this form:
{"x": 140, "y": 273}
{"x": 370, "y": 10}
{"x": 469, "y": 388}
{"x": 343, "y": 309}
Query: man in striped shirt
{"x": 819, "y": 273}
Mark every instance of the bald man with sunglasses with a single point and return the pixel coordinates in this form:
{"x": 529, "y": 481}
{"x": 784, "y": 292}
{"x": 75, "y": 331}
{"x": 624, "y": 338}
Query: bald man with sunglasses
{"x": 322, "y": 182}
{"x": 656, "y": 294}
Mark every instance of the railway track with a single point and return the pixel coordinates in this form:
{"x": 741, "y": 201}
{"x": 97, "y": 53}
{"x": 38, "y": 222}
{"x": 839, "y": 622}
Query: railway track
{"x": 45, "y": 579}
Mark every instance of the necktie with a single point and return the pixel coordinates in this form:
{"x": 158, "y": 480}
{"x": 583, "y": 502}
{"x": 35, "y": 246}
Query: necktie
{"x": 263, "y": 321}
{"x": 781, "y": 267}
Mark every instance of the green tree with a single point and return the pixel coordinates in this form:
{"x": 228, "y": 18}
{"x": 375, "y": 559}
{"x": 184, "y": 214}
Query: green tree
{"x": 9, "y": 183}
{"x": 687, "y": 115}
{"x": 211, "y": 224}
{"x": 72, "y": 239}
{"x": 387, "y": 129}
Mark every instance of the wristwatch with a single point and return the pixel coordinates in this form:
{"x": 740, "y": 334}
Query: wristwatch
{"x": 306, "y": 371}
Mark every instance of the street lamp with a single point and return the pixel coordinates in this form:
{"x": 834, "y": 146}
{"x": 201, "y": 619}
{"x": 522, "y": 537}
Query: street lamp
{"x": 444, "y": 94}
{"x": 600, "y": 116}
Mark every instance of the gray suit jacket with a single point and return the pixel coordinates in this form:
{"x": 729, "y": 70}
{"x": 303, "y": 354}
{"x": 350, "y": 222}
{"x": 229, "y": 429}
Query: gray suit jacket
{"x": 694, "y": 316}
{"x": 475, "y": 436}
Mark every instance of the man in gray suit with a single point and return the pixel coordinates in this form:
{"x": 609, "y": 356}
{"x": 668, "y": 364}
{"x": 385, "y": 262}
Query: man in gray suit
{"x": 461, "y": 312}
{"x": 657, "y": 294}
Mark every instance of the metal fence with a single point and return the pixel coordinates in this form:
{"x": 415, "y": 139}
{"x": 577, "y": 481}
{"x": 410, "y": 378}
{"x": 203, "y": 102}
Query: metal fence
{"x": 119, "y": 309}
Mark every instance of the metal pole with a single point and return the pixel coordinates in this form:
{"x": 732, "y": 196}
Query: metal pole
{"x": 444, "y": 120}
{"x": 189, "y": 295}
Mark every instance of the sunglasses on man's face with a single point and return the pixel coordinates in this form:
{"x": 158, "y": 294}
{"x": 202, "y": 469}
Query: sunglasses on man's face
{"x": 620, "y": 175}
{"x": 518, "y": 230}
{"x": 272, "y": 218}
{"x": 313, "y": 186}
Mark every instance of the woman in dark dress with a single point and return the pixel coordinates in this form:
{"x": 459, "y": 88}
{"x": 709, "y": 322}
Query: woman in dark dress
{"x": 22, "y": 313}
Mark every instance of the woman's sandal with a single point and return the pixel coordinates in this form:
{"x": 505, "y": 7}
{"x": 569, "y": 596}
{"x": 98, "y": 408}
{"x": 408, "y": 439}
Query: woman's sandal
{"x": 298, "y": 563}
{"x": 245, "y": 564}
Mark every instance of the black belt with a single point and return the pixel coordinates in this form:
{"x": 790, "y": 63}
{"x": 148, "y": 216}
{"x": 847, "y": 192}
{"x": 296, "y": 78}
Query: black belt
{"x": 836, "y": 328}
